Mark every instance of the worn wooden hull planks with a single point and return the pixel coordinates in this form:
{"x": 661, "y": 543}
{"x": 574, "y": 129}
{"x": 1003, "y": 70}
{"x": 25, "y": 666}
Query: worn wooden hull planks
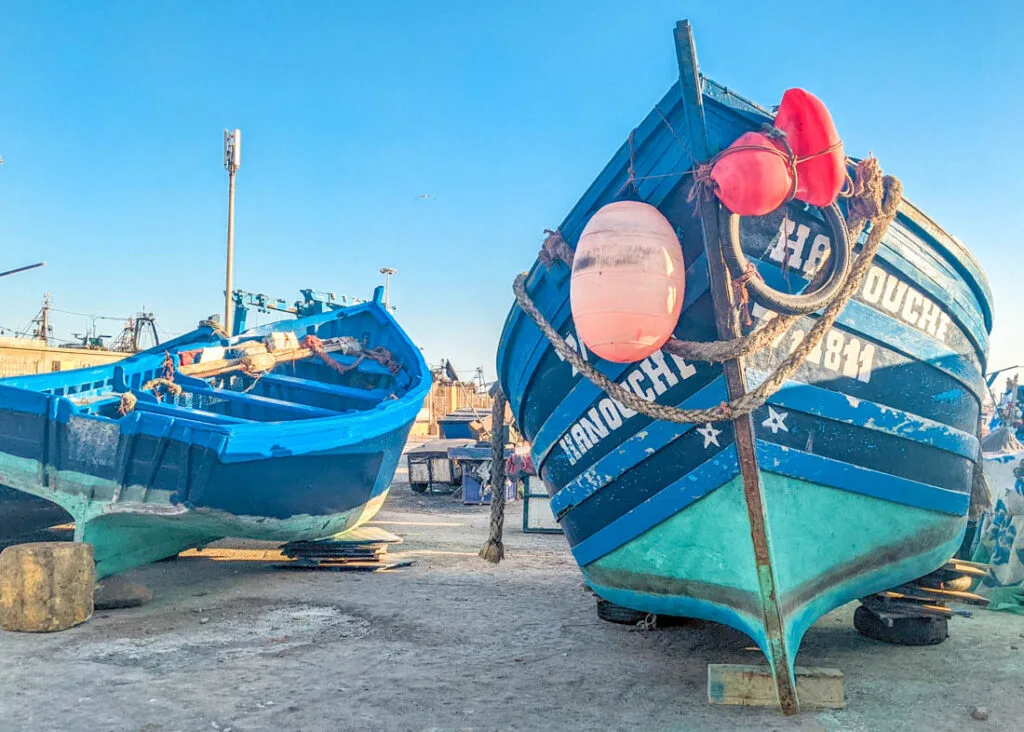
{"x": 860, "y": 466}
{"x": 301, "y": 452}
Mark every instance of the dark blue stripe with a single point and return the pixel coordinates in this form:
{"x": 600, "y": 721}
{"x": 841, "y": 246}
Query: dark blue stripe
{"x": 825, "y": 471}
{"x": 635, "y": 450}
{"x": 839, "y": 407}
{"x": 666, "y": 503}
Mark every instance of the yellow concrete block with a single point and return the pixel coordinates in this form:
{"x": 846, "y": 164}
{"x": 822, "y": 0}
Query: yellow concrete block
{"x": 46, "y": 586}
{"x": 753, "y": 686}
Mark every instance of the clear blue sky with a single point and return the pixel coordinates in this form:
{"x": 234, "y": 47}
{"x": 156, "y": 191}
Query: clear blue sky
{"x": 111, "y": 119}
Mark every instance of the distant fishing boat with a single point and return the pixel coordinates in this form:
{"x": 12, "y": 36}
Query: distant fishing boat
{"x": 853, "y": 478}
{"x": 285, "y": 432}
{"x": 456, "y": 425}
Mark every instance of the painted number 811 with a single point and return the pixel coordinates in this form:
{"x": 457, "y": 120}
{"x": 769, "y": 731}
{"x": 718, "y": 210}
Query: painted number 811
{"x": 847, "y": 356}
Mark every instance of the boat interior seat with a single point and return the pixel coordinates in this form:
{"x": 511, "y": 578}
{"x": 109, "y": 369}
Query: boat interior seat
{"x": 270, "y": 405}
{"x": 366, "y": 395}
{"x": 197, "y": 415}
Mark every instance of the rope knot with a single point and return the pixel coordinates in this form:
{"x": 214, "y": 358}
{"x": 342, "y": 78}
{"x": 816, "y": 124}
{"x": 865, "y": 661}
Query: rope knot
{"x": 867, "y": 190}
{"x": 555, "y": 249}
{"x": 704, "y": 186}
{"x": 740, "y": 293}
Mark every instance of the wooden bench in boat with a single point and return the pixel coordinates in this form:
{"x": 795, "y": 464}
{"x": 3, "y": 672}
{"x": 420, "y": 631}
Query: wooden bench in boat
{"x": 320, "y": 387}
{"x": 306, "y": 411}
{"x": 198, "y": 415}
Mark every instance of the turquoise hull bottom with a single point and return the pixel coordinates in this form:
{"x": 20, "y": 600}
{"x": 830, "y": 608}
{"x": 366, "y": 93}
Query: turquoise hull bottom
{"x": 132, "y": 525}
{"x": 828, "y": 547}
{"x": 122, "y": 540}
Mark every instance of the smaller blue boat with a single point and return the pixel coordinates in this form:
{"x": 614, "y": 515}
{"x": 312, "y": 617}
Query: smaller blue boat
{"x": 290, "y": 431}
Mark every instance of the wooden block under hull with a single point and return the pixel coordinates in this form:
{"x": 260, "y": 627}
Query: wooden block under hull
{"x": 752, "y": 685}
{"x": 46, "y": 586}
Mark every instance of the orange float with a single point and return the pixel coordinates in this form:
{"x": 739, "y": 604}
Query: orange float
{"x": 628, "y": 280}
{"x": 812, "y": 135}
{"x": 752, "y": 176}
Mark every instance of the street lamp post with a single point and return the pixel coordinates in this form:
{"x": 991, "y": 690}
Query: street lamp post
{"x": 387, "y": 272}
{"x": 232, "y": 162}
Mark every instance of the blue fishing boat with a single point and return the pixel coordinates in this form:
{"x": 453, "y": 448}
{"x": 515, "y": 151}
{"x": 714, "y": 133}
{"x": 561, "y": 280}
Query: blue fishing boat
{"x": 289, "y": 431}
{"x": 855, "y": 476}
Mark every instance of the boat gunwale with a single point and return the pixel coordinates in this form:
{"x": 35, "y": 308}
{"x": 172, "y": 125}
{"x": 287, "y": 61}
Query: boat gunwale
{"x": 386, "y": 415}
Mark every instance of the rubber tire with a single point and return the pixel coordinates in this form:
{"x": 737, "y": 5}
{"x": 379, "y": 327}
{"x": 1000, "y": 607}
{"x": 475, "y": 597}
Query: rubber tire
{"x": 612, "y": 613}
{"x": 418, "y": 487}
{"x": 904, "y": 631}
{"x": 784, "y": 303}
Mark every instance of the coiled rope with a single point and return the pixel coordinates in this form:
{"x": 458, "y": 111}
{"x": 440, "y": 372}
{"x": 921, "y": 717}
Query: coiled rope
{"x": 875, "y": 200}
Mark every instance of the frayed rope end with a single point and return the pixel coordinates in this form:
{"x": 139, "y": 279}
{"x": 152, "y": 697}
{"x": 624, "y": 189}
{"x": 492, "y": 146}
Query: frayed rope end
{"x": 493, "y": 551}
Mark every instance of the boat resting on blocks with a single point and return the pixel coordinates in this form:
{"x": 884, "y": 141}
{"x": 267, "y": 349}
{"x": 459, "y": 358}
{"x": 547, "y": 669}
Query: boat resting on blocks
{"x": 290, "y": 431}
{"x": 853, "y": 478}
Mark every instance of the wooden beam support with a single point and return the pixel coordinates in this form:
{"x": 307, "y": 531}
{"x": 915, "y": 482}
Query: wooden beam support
{"x": 753, "y": 686}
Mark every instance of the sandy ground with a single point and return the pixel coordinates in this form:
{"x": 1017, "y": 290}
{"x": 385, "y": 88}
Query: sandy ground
{"x": 454, "y": 643}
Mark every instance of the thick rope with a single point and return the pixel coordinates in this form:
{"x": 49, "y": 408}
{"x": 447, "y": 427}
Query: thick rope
{"x": 883, "y": 212}
{"x": 981, "y": 496}
{"x": 379, "y": 354}
{"x": 493, "y": 550}
{"x": 152, "y": 385}
{"x": 128, "y": 402}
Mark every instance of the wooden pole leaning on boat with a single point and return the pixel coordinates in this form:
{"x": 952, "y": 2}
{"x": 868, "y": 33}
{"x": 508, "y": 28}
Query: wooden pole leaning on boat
{"x": 493, "y": 549}
{"x": 875, "y": 200}
{"x": 220, "y": 366}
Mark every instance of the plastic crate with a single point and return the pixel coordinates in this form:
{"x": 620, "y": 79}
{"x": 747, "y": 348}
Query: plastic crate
{"x": 473, "y": 492}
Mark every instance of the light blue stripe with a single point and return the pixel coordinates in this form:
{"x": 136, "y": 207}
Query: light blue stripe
{"x": 912, "y": 343}
{"x": 669, "y": 501}
{"x": 837, "y": 474}
{"x": 570, "y": 409}
{"x": 838, "y": 407}
{"x": 951, "y": 294}
{"x": 894, "y": 334}
{"x": 656, "y": 436}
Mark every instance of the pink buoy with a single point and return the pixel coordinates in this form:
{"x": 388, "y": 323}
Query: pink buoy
{"x": 752, "y": 177}
{"x": 628, "y": 280}
{"x": 812, "y": 135}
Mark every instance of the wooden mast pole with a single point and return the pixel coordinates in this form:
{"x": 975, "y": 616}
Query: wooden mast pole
{"x": 728, "y": 327}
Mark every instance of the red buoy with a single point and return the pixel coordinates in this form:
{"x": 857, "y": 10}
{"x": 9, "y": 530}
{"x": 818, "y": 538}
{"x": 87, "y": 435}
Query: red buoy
{"x": 810, "y": 132}
{"x": 628, "y": 280}
{"x": 751, "y": 177}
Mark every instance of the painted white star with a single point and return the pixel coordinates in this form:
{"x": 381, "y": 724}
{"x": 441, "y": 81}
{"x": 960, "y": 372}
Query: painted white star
{"x": 710, "y": 434}
{"x": 776, "y": 421}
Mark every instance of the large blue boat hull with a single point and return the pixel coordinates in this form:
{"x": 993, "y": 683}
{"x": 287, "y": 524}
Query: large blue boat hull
{"x": 291, "y": 456}
{"x": 864, "y": 458}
